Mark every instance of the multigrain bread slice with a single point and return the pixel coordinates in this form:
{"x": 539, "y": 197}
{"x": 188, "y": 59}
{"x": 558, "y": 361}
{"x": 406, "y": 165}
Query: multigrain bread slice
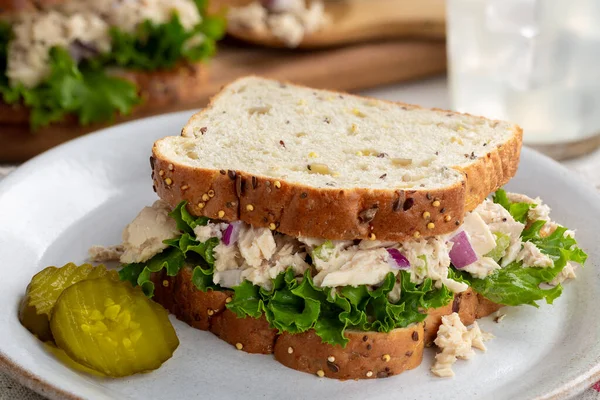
{"x": 324, "y": 164}
{"x": 367, "y": 355}
{"x": 160, "y": 91}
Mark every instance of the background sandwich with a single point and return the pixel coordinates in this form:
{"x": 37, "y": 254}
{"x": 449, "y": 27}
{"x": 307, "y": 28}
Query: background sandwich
{"x": 68, "y": 67}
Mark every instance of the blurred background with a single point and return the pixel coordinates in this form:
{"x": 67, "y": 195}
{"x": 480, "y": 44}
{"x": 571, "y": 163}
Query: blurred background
{"x": 533, "y": 62}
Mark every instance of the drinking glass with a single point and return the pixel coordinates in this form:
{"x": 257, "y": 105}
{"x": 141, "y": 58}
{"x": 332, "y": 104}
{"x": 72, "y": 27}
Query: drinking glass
{"x": 532, "y": 62}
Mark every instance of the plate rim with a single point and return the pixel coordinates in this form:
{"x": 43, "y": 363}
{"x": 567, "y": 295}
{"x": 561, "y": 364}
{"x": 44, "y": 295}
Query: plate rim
{"x": 40, "y": 385}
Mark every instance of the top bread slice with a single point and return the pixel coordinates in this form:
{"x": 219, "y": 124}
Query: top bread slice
{"x": 316, "y": 163}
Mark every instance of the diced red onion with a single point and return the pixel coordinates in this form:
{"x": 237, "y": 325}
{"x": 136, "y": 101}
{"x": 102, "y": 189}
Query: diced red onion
{"x": 462, "y": 253}
{"x": 80, "y": 50}
{"x": 397, "y": 260}
{"x": 230, "y": 236}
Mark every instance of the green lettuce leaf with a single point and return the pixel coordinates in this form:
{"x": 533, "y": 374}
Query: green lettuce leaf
{"x": 247, "y": 301}
{"x": 296, "y": 306}
{"x": 515, "y": 285}
{"x": 139, "y": 274}
{"x": 185, "y": 221}
{"x": 517, "y": 210}
{"x": 553, "y": 244}
{"x": 162, "y": 46}
{"x": 83, "y": 91}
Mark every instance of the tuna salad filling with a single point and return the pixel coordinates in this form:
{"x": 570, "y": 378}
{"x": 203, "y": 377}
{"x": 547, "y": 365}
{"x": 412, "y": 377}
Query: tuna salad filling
{"x": 508, "y": 250}
{"x": 50, "y": 56}
{"x": 287, "y": 20}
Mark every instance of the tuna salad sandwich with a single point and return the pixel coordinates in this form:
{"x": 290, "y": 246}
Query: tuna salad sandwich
{"x": 342, "y": 234}
{"x": 67, "y": 64}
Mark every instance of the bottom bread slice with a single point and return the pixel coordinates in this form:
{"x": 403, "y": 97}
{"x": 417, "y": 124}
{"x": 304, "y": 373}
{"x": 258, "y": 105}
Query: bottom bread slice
{"x": 367, "y": 354}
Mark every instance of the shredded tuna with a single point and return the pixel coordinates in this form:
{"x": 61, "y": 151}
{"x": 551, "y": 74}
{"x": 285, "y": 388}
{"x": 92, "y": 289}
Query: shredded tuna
{"x": 289, "y": 24}
{"x": 89, "y": 22}
{"x": 143, "y": 237}
{"x": 102, "y": 254}
{"x": 456, "y": 341}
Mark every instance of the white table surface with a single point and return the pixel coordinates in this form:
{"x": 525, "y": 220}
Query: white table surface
{"x": 428, "y": 93}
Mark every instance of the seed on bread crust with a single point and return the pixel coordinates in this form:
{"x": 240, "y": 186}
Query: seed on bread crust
{"x": 239, "y": 186}
{"x": 333, "y": 367}
{"x": 408, "y": 203}
{"x": 366, "y": 216}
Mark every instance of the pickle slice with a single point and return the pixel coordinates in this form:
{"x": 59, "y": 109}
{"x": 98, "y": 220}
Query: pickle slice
{"x": 63, "y": 357}
{"x": 44, "y": 289}
{"x": 112, "y": 328}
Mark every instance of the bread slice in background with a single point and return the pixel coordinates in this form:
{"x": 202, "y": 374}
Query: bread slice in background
{"x": 323, "y": 164}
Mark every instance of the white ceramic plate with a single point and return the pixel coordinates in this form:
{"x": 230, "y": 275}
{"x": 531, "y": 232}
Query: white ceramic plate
{"x": 84, "y": 192}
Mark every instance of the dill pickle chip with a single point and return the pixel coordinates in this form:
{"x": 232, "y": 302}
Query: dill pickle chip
{"x": 112, "y": 328}
{"x": 64, "y": 358}
{"x": 44, "y": 289}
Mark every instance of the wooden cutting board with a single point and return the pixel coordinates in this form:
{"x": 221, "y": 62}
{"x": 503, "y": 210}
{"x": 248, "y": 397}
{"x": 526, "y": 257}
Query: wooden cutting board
{"x": 349, "y": 68}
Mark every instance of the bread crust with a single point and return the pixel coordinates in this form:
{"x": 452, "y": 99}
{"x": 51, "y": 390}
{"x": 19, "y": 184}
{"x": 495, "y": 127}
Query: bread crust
{"x": 309, "y": 354}
{"x": 367, "y": 355}
{"x": 334, "y": 213}
{"x": 337, "y": 214}
{"x": 252, "y": 335}
{"x": 10, "y": 7}
{"x": 434, "y": 320}
{"x": 179, "y": 295}
{"x": 161, "y": 91}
